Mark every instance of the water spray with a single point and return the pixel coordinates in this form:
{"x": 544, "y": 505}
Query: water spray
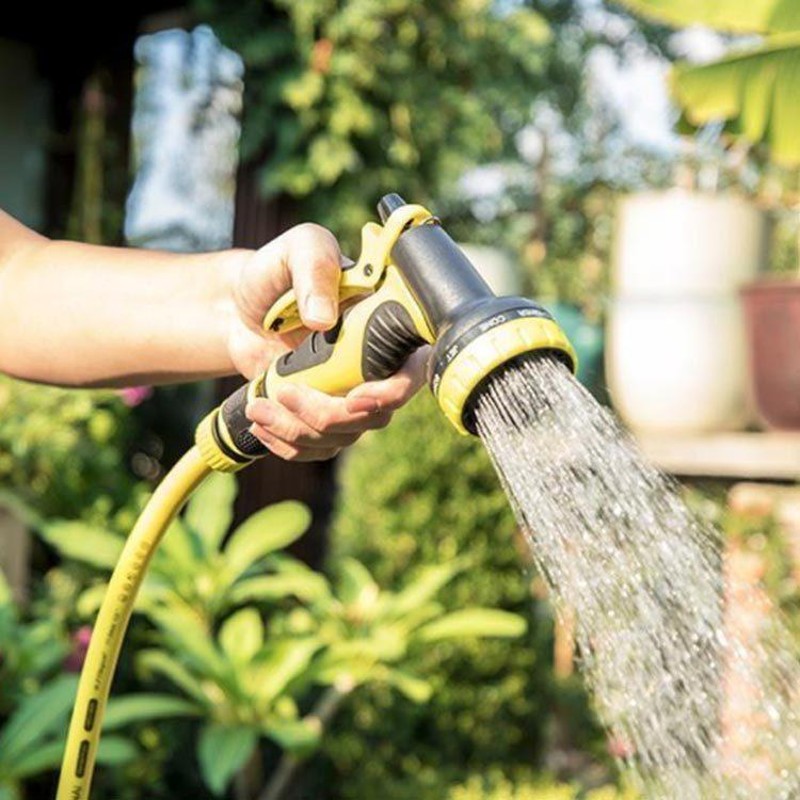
{"x": 411, "y": 286}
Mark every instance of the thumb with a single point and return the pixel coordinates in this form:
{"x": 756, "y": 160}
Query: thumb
{"x": 314, "y": 262}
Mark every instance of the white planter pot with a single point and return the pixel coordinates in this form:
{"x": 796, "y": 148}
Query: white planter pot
{"x": 497, "y": 267}
{"x": 678, "y": 243}
{"x": 678, "y": 365}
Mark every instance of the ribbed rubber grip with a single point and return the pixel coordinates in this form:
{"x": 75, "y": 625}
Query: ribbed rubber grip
{"x": 238, "y": 425}
{"x": 389, "y": 339}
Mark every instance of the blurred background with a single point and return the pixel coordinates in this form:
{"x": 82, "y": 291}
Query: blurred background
{"x": 632, "y": 165}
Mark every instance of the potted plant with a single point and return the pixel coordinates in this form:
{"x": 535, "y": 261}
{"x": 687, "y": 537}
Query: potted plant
{"x": 677, "y": 357}
{"x": 753, "y": 90}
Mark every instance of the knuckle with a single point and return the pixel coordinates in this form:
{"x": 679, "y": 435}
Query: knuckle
{"x": 306, "y": 231}
{"x": 322, "y": 420}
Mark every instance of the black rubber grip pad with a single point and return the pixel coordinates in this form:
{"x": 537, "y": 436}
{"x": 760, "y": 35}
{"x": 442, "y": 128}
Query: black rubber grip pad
{"x": 314, "y": 350}
{"x": 389, "y": 339}
{"x": 238, "y": 426}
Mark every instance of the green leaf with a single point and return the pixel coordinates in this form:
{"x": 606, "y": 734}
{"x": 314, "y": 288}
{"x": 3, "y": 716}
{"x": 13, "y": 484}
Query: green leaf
{"x": 210, "y": 510}
{"x": 356, "y": 584}
{"x": 89, "y": 600}
{"x": 10, "y": 791}
{"x": 754, "y": 91}
{"x": 532, "y": 25}
{"x": 84, "y": 543}
{"x": 300, "y": 737}
{"x": 733, "y": 16}
{"x": 45, "y": 757}
{"x": 122, "y": 711}
{"x": 270, "y": 529}
{"x": 5, "y": 591}
{"x": 221, "y": 752}
{"x": 284, "y": 662}
{"x": 179, "y": 552}
{"x": 471, "y": 622}
{"x": 415, "y": 689}
{"x": 308, "y": 586}
{"x": 157, "y": 661}
{"x": 181, "y": 625}
{"x": 37, "y": 717}
{"x": 242, "y": 635}
{"x": 425, "y": 586}
{"x": 115, "y": 751}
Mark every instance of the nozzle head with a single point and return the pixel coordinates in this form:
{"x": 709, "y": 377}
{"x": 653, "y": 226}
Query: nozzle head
{"x": 486, "y": 337}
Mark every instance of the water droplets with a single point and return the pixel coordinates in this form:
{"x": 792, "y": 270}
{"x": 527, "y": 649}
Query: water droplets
{"x": 706, "y": 704}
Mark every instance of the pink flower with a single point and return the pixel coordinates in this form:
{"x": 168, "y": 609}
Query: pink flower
{"x": 620, "y": 748}
{"x": 133, "y": 395}
{"x": 80, "y": 645}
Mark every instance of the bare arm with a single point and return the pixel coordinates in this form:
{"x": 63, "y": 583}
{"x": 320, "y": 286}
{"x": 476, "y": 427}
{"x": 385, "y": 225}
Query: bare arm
{"x": 81, "y": 315}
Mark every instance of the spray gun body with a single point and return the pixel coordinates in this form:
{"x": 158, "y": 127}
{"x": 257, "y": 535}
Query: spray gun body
{"x": 412, "y": 285}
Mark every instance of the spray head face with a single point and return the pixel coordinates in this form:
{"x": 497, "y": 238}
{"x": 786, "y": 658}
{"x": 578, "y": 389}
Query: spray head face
{"x": 487, "y": 339}
{"x": 475, "y": 332}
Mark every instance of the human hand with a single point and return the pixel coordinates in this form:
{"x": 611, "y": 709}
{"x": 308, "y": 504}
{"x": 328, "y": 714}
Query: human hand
{"x": 301, "y": 423}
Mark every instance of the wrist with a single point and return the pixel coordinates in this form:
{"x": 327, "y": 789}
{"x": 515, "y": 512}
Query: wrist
{"x": 225, "y": 309}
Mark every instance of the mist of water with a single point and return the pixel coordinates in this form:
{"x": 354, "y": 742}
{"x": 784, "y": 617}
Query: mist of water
{"x": 706, "y": 698}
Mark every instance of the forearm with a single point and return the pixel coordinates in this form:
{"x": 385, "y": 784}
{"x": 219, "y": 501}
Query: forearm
{"x": 81, "y": 315}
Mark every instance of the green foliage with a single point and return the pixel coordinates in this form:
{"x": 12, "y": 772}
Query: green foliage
{"x": 29, "y": 651}
{"x": 36, "y": 700}
{"x": 62, "y": 452}
{"x": 754, "y": 89}
{"x": 247, "y": 682}
{"x": 222, "y": 750}
{"x": 193, "y": 569}
{"x": 732, "y": 16}
{"x": 416, "y": 496}
{"x": 352, "y": 100}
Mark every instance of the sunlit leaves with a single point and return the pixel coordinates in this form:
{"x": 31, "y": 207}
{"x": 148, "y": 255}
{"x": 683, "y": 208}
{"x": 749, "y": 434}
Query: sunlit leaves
{"x": 242, "y": 635}
{"x": 463, "y": 69}
{"x": 209, "y": 511}
{"x": 480, "y": 622}
{"x": 221, "y": 751}
{"x": 755, "y": 90}
{"x": 270, "y": 529}
{"x": 734, "y": 16}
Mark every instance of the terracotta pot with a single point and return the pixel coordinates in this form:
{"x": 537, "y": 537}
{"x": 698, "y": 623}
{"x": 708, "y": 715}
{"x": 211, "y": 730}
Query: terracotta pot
{"x": 772, "y": 315}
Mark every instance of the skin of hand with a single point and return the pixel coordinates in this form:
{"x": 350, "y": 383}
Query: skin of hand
{"x": 86, "y": 316}
{"x": 301, "y": 423}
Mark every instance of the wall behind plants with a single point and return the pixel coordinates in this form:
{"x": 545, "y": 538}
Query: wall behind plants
{"x": 415, "y": 494}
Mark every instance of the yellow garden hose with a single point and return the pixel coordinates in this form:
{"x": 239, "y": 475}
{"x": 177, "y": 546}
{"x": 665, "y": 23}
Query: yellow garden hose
{"x": 83, "y": 736}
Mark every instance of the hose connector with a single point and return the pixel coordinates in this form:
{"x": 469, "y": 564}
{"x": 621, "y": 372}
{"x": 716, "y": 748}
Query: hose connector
{"x": 224, "y": 438}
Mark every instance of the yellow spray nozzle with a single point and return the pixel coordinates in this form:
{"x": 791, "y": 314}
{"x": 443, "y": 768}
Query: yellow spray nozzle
{"x": 411, "y": 285}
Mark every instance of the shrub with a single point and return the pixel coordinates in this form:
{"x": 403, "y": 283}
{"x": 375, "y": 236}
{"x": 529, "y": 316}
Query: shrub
{"x": 63, "y": 453}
